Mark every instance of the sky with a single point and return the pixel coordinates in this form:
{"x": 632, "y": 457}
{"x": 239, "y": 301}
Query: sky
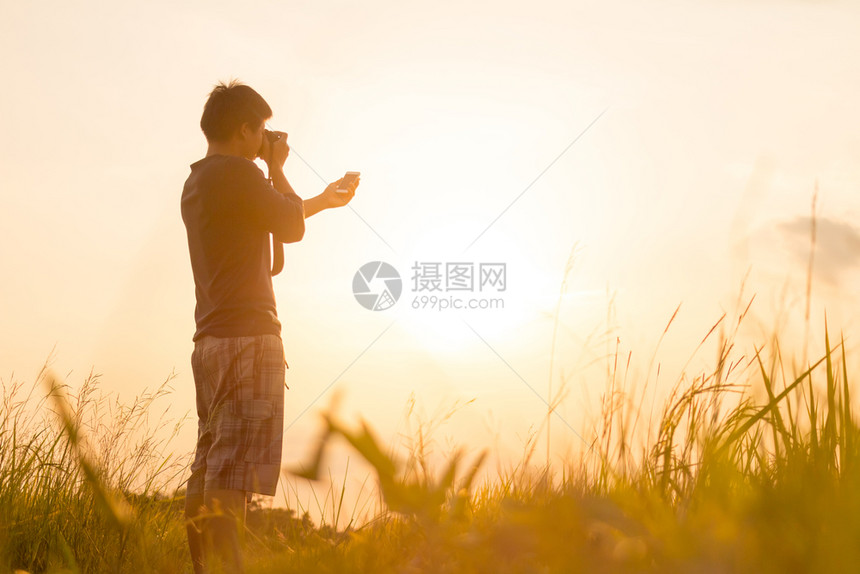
{"x": 620, "y": 158}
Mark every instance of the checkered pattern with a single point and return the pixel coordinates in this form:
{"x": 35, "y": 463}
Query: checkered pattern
{"x": 240, "y": 409}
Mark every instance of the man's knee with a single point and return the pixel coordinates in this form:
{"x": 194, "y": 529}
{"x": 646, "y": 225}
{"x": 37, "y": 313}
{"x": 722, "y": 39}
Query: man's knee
{"x": 226, "y": 502}
{"x": 225, "y": 497}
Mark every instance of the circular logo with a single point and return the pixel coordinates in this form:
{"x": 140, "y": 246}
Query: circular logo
{"x": 377, "y": 285}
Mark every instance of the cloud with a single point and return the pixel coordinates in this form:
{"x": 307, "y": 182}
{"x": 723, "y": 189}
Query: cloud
{"x": 837, "y": 245}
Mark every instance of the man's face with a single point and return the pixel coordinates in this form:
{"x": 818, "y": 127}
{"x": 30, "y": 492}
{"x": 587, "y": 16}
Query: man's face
{"x": 252, "y": 140}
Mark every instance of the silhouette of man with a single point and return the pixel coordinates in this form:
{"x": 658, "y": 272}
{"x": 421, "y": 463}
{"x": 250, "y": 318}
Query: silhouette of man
{"x": 231, "y": 213}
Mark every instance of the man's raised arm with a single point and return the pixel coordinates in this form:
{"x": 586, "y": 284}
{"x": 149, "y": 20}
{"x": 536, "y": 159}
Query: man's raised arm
{"x": 329, "y": 198}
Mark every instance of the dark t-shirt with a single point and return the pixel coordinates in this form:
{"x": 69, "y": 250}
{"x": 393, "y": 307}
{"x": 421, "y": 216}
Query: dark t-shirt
{"x": 229, "y": 210}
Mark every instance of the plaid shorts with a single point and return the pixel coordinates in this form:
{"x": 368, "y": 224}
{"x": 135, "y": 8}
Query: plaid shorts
{"x": 240, "y": 408}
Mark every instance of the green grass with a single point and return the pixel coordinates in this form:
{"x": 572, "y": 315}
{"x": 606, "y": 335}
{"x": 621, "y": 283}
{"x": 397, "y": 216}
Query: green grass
{"x": 747, "y": 468}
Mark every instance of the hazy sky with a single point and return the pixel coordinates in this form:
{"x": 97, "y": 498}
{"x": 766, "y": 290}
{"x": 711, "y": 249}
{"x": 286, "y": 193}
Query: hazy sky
{"x": 717, "y": 120}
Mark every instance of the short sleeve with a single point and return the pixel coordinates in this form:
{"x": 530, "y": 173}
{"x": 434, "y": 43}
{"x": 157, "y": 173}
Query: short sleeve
{"x": 266, "y": 208}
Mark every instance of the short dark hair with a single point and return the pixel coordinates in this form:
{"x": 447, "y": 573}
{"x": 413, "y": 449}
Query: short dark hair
{"x": 228, "y": 107}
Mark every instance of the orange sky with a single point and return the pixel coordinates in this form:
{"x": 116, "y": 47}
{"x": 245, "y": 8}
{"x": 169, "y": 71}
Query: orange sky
{"x": 719, "y": 118}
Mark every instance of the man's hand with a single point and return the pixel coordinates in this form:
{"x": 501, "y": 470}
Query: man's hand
{"x": 333, "y": 198}
{"x": 275, "y": 154}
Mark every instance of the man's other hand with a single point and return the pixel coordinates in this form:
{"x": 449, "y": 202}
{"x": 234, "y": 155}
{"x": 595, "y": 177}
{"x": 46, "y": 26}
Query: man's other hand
{"x": 334, "y": 198}
{"x": 277, "y": 152}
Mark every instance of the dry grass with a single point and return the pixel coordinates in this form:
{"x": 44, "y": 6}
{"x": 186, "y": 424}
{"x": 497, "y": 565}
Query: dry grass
{"x": 745, "y": 469}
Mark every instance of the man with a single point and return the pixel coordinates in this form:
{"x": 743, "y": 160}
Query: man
{"x": 230, "y": 211}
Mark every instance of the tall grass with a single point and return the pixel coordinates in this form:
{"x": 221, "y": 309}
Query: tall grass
{"x": 731, "y": 478}
{"x": 83, "y": 481}
{"x": 751, "y": 465}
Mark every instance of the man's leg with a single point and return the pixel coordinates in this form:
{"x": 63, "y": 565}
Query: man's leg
{"x": 226, "y": 509}
{"x": 195, "y": 511}
{"x": 194, "y": 526}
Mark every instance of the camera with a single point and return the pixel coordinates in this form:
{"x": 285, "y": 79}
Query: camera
{"x": 272, "y": 137}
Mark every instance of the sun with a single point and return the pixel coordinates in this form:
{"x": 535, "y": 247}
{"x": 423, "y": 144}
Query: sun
{"x": 450, "y": 293}
{"x": 451, "y": 170}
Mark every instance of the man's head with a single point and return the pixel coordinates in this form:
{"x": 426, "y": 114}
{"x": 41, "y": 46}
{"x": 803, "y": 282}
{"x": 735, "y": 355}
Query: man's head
{"x": 235, "y": 114}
